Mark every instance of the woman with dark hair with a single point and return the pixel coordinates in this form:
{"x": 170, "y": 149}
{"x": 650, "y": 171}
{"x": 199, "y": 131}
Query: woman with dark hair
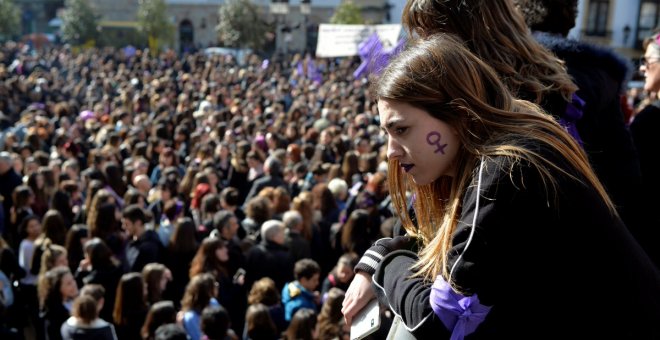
{"x": 200, "y": 293}
{"x": 61, "y": 202}
{"x": 130, "y": 308}
{"x": 302, "y": 326}
{"x": 265, "y": 292}
{"x": 22, "y": 199}
{"x": 115, "y": 181}
{"x": 160, "y": 313}
{"x": 54, "y": 227}
{"x": 75, "y": 240}
{"x": 36, "y": 182}
{"x": 259, "y": 324}
{"x": 211, "y": 257}
{"x": 92, "y": 189}
{"x": 105, "y": 227}
{"x": 330, "y": 317}
{"x": 182, "y": 250}
{"x": 156, "y": 277}
{"x": 57, "y": 289}
{"x": 99, "y": 267}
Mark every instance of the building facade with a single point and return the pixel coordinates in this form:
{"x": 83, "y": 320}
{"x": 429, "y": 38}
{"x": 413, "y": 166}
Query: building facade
{"x": 195, "y": 20}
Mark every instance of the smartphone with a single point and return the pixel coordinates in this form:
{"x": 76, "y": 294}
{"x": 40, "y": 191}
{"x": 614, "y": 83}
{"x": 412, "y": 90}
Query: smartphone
{"x": 366, "y": 321}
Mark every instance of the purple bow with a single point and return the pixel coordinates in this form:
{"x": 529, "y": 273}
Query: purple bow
{"x": 460, "y": 314}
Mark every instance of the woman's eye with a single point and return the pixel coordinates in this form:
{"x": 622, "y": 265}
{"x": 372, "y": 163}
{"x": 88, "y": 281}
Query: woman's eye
{"x": 400, "y": 130}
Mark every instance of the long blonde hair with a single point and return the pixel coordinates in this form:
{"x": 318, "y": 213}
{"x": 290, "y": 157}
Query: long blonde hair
{"x": 495, "y": 31}
{"x": 442, "y": 77}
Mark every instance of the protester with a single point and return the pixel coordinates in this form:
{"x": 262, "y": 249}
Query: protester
{"x": 455, "y": 139}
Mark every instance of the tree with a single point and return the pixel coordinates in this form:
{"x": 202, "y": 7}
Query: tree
{"x": 240, "y": 25}
{"x": 9, "y": 19}
{"x": 79, "y": 23}
{"x": 347, "y": 14}
{"x": 154, "y": 22}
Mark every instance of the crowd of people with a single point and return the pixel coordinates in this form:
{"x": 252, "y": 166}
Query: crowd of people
{"x": 164, "y": 196}
{"x": 228, "y": 188}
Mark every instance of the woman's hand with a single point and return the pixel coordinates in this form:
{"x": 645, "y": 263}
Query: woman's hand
{"x": 357, "y": 296}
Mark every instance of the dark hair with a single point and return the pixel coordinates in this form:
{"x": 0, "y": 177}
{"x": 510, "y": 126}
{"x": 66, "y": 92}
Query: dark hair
{"x": 330, "y": 314}
{"x": 206, "y": 261}
{"x": 160, "y": 313}
{"x": 259, "y": 323}
{"x": 135, "y": 213}
{"x": 152, "y": 274}
{"x": 170, "y": 331}
{"x": 302, "y": 325}
{"x": 73, "y": 246}
{"x": 53, "y": 226}
{"x": 306, "y": 268}
{"x": 130, "y": 297}
{"x": 100, "y": 255}
{"x": 231, "y": 196}
{"x": 199, "y": 292}
{"x": 215, "y": 322}
{"x": 183, "y": 237}
{"x": 221, "y": 219}
{"x": 264, "y": 291}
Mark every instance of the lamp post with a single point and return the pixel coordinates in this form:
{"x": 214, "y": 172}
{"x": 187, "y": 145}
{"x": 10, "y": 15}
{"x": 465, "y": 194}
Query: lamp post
{"x": 280, "y": 8}
{"x": 305, "y": 10}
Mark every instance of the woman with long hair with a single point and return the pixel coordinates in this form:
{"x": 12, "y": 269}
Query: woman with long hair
{"x": 497, "y": 183}
{"x": 200, "y": 293}
{"x": 37, "y": 183}
{"x": 259, "y": 324}
{"x": 156, "y": 277}
{"x": 130, "y": 308}
{"x": 329, "y": 326}
{"x": 182, "y": 249}
{"x": 302, "y": 326}
{"x": 160, "y": 313}
{"x": 100, "y": 267}
{"x": 57, "y": 289}
{"x": 75, "y": 240}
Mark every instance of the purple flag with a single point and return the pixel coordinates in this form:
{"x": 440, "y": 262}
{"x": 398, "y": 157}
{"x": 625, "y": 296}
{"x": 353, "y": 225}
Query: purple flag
{"x": 299, "y": 69}
{"x": 312, "y": 71}
{"x": 370, "y": 51}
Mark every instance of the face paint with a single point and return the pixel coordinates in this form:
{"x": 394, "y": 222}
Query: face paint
{"x": 433, "y": 138}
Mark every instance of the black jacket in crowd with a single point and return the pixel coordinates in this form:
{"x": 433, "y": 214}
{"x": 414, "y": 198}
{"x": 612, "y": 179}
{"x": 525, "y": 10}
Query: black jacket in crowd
{"x": 551, "y": 266}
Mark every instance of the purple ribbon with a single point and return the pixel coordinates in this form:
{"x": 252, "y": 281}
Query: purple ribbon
{"x": 460, "y": 314}
{"x": 574, "y": 112}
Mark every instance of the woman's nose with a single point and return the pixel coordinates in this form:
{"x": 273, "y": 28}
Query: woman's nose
{"x": 393, "y": 149}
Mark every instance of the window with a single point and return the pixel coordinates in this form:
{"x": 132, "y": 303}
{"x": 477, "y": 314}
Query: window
{"x": 648, "y": 19}
{"x": 598, "y": 16}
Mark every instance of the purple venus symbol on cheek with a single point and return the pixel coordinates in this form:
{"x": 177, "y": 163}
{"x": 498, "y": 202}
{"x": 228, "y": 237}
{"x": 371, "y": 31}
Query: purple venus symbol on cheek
{"x": 433, "y": 138}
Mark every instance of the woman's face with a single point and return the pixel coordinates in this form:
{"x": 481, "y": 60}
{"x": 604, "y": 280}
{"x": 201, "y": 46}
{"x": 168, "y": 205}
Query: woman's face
{"x": 425, "y": 147}
{"x": 650, "y": 68}
{"x": 222, "y": 254}
{"x": 68, "y": 287}
{"x": 344, "y": 273}
{"x": 167, "y": 277}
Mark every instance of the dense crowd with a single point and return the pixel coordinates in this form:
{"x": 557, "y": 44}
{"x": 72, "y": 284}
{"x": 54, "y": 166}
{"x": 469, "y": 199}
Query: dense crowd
{"x": 228, "y": 197}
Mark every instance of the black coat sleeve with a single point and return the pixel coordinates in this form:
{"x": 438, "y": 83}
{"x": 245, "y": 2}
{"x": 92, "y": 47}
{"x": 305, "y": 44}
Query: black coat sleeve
{"x": 408, "y": 297}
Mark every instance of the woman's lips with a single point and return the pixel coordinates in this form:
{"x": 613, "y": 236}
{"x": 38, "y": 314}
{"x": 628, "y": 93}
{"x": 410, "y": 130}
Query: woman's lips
{"x": 407, "y": 167}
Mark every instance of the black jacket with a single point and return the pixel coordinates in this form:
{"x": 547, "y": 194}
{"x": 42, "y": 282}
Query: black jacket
{"x": 601, "y": 77}
{"x": 269, "y": 259}
{"x": 146, "y": 249}
{"x": 551, "y": 266}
